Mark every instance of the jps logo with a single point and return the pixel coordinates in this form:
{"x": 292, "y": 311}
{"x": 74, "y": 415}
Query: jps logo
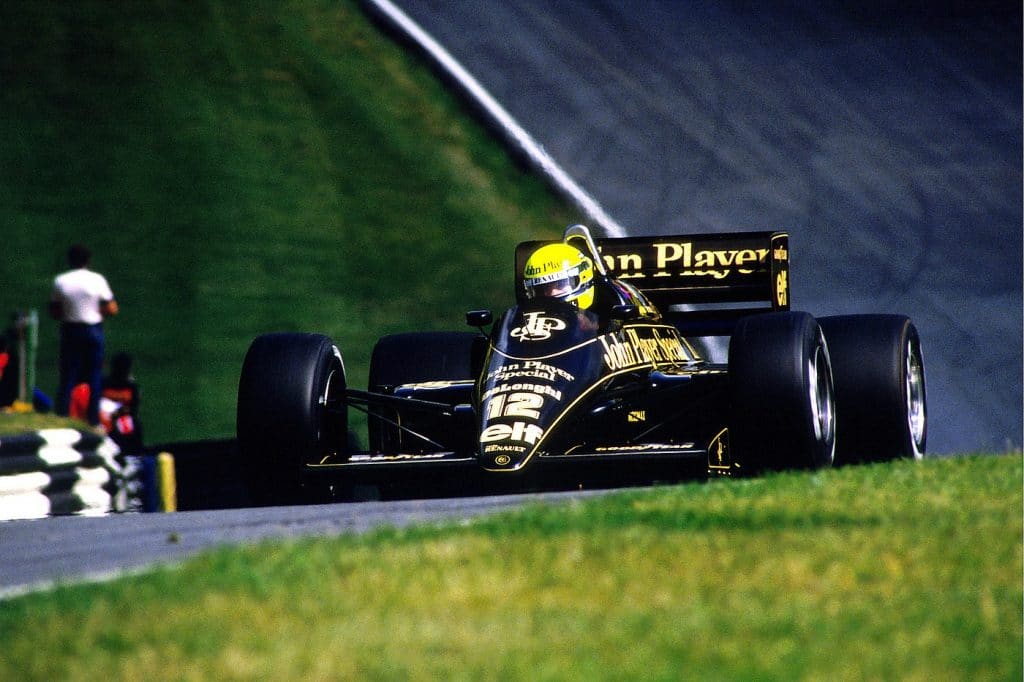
{"x": 537, "y": 327}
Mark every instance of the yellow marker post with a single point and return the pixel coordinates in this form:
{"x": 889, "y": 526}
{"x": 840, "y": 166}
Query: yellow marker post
{"x": 166, "y": 482}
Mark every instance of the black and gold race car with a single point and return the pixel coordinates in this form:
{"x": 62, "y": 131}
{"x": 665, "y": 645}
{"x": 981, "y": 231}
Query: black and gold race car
{"x": 553, "y": 387}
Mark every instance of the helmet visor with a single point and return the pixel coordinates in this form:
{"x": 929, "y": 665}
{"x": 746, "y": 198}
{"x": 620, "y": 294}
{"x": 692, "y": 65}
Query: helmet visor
{"x": 566, "y": 284}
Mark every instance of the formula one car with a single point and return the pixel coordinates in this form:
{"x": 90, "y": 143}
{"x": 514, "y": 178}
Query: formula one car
{"x": 554, "y": 384}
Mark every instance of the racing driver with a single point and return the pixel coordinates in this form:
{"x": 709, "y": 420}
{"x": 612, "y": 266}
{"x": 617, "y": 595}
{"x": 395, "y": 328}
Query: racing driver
{"x": 562, "y": 271}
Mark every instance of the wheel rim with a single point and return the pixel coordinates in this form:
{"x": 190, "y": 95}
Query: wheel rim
{"x": 334, "y": 389}
{"x": 822, "y": 401}
{"x": 916, "y": 417}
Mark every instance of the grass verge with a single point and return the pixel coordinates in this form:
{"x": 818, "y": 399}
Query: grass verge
{"x": 909, "y": 570}
{"x": 16, "y": 423}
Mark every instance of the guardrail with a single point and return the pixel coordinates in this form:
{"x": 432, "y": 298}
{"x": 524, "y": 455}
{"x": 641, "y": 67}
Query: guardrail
{"x": 66, "y": 471}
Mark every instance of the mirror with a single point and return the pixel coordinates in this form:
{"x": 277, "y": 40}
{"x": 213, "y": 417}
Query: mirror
{"x": 479, "y": 318}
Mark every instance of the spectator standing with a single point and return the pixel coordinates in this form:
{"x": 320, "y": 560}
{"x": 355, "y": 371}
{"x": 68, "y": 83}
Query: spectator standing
{"x": 81, "y": 299}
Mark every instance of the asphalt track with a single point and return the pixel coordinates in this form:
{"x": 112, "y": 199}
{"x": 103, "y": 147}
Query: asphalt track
{"x": 42, "y": 553}
{"x": 885, "y": 137}
{"x": 887, "y": 141}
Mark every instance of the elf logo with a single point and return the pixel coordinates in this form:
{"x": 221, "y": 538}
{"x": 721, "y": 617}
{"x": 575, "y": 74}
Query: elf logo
{"x": 518, "y": 431}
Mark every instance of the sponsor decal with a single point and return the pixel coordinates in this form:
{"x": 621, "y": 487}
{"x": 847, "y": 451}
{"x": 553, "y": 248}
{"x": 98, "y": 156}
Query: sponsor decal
{"x": 681, "y": 258}
{"x": 636, "y": 348}
{"x": 539, "y": 389}
{"x": 782, "y": 289}
{"x": 529, "y": 369}
{"x": 518, "y": 431}
{"x": 397, "y": 458}
{"x": 647, "y": 447}
{"x": 537, "y": 327}
{"x": 637, "y": 416}
{"x": 505, "y": 448}
{"x": 719, "y": 455}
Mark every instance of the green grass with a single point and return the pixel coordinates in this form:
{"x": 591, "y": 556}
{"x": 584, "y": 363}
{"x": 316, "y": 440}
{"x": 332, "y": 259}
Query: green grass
{"x": 909, "y": 570}
{"x": 240, "y": 168}
{"x": 12, "y": 424}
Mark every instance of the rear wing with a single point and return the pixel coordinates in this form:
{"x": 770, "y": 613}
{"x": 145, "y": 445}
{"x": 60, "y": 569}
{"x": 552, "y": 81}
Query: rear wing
{"x": 706, "y": 273}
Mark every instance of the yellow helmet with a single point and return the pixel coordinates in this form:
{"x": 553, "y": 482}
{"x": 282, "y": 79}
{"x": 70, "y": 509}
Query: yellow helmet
{"x": 560, "y": 271}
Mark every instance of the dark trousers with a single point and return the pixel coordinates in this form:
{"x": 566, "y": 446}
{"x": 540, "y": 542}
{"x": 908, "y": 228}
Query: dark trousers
{"x": 81, "y": 361}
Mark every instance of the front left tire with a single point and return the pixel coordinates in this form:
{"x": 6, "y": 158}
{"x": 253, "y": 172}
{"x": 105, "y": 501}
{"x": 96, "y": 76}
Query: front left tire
{"x": 291, "y": 412}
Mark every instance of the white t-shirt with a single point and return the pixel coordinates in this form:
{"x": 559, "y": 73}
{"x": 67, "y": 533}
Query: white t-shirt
{"x": 80, "y": 293}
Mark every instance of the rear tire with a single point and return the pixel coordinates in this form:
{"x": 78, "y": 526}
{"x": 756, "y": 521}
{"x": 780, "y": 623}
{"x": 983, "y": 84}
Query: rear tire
{"x": 411, "y": 358}
{"x": 783, "y": 412}
{"x": 291, "y": 412}
{"x": 421, "y": 356}
{"x": 880, "y": 387}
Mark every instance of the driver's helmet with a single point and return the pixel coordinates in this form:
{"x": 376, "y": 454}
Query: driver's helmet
{"x": 560, "y": 271}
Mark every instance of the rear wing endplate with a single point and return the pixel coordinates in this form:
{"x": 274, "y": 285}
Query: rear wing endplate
{"x": 702, "y": 270}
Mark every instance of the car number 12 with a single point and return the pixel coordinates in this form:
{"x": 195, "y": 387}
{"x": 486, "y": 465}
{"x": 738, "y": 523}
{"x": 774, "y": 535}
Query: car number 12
{"x": 515, "y": 405}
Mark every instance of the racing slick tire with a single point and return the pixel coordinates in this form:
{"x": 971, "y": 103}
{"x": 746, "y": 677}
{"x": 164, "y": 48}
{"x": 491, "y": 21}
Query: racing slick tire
{"x": 783, "y": 412}
{"x": 421, "y": 356}
{"x": 291, "y": 412}
{"x": 417, "y": 357}
{"x": 880, "y": 387}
